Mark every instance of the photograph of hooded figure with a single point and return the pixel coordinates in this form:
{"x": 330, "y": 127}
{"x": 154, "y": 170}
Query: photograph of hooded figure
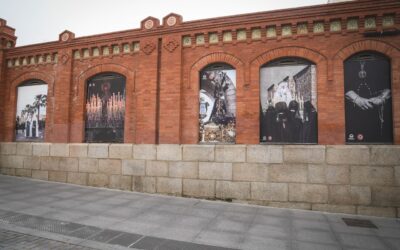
{"x": 368, "y": 102}
{"x": 217, "y": 99}
{"x": 288, "y": 102}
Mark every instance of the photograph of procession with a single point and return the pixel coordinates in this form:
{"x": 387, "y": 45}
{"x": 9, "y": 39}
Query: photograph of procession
{"x": 217, "y": 115}
{"x": 105, "y": 108}
{"x": 31, "y": 112}
{"x": 288, "y": 102}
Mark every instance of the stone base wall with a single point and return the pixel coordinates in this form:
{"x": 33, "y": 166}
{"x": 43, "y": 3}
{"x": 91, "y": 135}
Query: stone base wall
{"x": 346, "y": 179}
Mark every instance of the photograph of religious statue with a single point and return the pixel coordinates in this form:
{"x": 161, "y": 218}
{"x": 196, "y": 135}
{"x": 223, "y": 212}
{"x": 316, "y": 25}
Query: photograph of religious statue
{"x": 368, "y": 105}
{"x": 288, "y": 111}
{"x": 31, "y": 112}
{"x": 105, "y": 109}
{"x": 217, "y": 117}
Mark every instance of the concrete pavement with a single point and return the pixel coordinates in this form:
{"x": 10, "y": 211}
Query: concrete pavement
{"x": 41, "y": 215}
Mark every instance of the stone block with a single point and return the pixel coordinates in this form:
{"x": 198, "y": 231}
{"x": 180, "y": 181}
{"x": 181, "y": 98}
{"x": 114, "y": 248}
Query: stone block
{"x": 364, "y": 175}
{"x": 23, "y": 172}
{"x": 144, "y": 152}
{"x": 40, "y": 175}
{"x": 88, "y": 165}
{"x": 215, "y": 171}
{"x": 312, "y": 193}
{"x": 288, "y": 173}
{"x": 169, "y": 186}
{"x": 230, "y": 153}
{"x": 49, "y": 163}
{"x": 312, "y": 154}
{"x": 397, "y": 175}
{"x": 199, "y": 188}
{"x": 232, "y": 190}
{"x": 316, "y": 174}
{"x": 8, "y": 148}
{"x": 58, "y": 176}
{"x": 377, "y": 211}
{"x": 120, "y": 151}
{"x": 121, "y": 182}
{"x": 348, "y": 155}
{"x": 290, "y": 205}
{"x": 344, "y": 209}
{"x": 41, "y": 149}
{"x": 59, "y": 149}
{"x": 8, "y": 171}
{"x": 24, "y": 148}
{"x": 149, "y": 184}
{"x": 32, "y": 162}
{"x": 250, "y": 172}
{"x": 349, "y": 195}
{"x": 77, "y": 178}
{"x": 156, "y": 168}
{"x": 337, "y": 174}
{"x": 110, "y": 166}
{"x": 183, "y": 169}
{"x": 69, "y": 164}
{"x": 78, "y": 149}
{"x": 98, "y": 150}
{"x": 385, "y": 155}
{"x": 386, "y": 196}
{"x": 98, "y": 180}
{"x": 198, "y": 152}
{"x": 269, "y": 191}
{"x": 264, "y": 154}
{"x": 169, "y": 152}
{"x": 134, "y": 167}
{"x": 12, "y": 161}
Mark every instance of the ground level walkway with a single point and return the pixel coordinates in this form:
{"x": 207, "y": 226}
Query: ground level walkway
{"x": 45, "y": 215}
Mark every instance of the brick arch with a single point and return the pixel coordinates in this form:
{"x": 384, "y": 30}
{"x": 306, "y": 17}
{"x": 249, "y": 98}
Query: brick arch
{"x": 384, "y": 48}
{"x": 12, "y": 98}
{"x": 190, "y": 97}
{"x": 77, "y": 111}
{"x": 216, "y": 57}
{"x": 321, "y": 62}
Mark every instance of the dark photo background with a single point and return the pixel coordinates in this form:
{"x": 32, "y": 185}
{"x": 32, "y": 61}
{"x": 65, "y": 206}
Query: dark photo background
{"x": 368, "y": 104}
{"x": 105, "y": 108}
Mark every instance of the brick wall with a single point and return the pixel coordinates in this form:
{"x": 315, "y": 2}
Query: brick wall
{"x": 162, "y": 62}
{"x": 345, "y": 179}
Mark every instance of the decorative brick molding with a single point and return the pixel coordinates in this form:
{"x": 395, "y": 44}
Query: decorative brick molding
{"x": 344, "y": 179}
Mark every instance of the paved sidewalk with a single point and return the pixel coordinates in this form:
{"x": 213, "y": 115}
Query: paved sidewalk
{"x": 63, "y": 216}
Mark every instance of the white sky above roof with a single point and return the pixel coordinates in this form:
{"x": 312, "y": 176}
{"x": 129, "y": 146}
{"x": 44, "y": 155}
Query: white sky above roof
{"x": 43, "y": 20}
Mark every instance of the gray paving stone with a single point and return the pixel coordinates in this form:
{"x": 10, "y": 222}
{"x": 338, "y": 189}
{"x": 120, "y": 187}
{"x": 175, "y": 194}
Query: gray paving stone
{"x": 105, "y": 235}
{"x": 125, "y": 239}
{"x": 262, "y": 243}
{"x": 361, "y": 241}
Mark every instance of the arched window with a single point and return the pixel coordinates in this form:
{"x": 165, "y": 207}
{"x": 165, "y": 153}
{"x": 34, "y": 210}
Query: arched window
{"x": 288, "y": 100}
{"x": 368, "y": 103}
{"x": 31, "y": 111}
{"x": 217, "y": 98}
{"x": 105, "y": 108}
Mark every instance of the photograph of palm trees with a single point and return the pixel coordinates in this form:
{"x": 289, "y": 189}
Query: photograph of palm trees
{"x": 31, "y": 112}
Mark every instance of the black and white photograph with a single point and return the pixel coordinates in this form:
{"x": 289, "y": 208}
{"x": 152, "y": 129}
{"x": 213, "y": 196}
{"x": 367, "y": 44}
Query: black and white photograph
{"x": 31, "y": 111}
{"x": 105, "y": 108}
{"x": 288, "y": 101}
{"x": 217, "y": 116}
{"x": 368, "y": 103}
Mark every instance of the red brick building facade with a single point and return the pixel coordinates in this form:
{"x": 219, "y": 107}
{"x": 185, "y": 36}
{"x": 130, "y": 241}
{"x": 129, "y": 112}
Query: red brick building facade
{"x": 161, "y": 62}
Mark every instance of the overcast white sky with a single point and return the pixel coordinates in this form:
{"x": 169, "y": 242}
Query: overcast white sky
{"x": 42, "y": 20}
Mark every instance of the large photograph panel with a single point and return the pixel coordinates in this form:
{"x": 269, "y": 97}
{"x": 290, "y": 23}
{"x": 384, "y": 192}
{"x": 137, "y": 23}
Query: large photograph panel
{"x": 368, "y": 102}
{"x": 31, "y": 112}
{"x": 288, "y": 97}
{"x": 105, "y": 108}
{"x": 217, "y": 119}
